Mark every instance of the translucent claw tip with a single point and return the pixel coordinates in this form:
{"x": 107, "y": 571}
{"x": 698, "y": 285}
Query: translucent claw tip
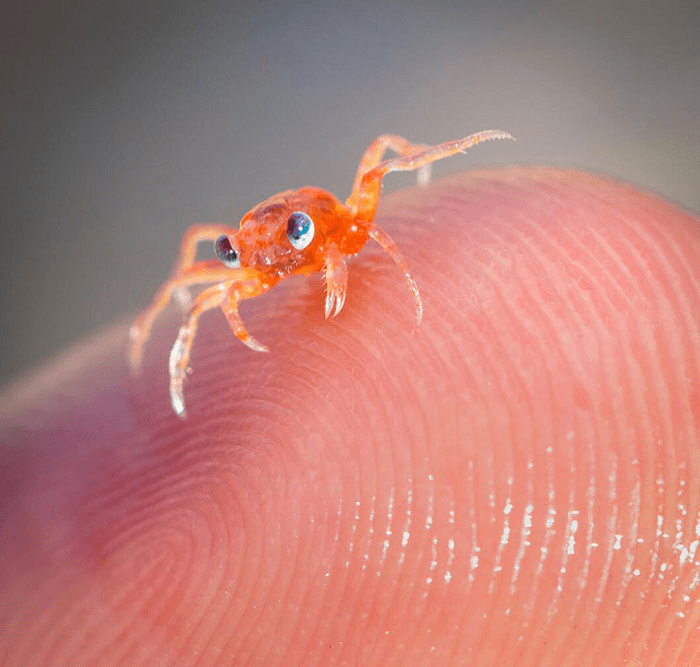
{"x": 419, "y": 315}
{"x": 255, "y": 345}
{"x": 339, "y": 301}
{"x": 179, "y": 407}
{"x": 177, "y": 400}
{"x": 335, "y": 300}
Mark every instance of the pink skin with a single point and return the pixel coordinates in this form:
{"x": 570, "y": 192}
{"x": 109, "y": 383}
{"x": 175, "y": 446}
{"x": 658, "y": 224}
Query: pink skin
{"x": 516, "y": 481}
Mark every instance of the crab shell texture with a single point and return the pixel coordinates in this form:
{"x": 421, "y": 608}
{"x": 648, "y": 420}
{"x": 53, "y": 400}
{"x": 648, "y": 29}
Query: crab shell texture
{"x": 262, "y": 238}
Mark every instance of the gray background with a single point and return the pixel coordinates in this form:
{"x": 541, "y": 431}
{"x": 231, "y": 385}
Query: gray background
{"x": 121, "y": 123}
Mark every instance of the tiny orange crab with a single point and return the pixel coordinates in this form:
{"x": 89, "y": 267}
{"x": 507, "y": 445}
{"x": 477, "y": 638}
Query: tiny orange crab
{"x": 295, "y": 232}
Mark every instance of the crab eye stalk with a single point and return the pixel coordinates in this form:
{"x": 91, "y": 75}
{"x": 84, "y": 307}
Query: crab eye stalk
{"x": 226, "y": 252}
{"x": 300, "y": 230}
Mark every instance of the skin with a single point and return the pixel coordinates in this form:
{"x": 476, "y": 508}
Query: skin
{"x": 516, "y": 481}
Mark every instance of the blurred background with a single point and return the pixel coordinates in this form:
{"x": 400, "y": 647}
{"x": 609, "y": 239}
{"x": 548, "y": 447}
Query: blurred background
{"x": 121, "y": 123}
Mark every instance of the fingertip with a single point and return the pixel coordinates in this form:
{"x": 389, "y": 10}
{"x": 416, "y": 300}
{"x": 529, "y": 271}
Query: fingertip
{"x": 420, "y": 491}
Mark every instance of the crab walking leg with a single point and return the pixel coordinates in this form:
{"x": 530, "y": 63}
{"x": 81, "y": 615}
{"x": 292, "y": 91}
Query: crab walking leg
{"x": 180, "y": 353}
{"x": 336, "y": 280}
{"x": 387, "y": 243}
{"x": 433, "y": 153}
{"x": 209, "y": 271}
{"x": 376, "y": 150}
{"x": 206, "y": 231}
{"x": 229, "y": 306}
{"x": 365, "y": 197}
{"x": 226, "y": 295}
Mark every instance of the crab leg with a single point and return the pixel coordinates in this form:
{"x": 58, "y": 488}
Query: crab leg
{"x": 235, "y": 293}
{"x": 387, "y": 243}
{"x": 336, "y": 280}
{"x": 365, "y": 194}
{"x": 180, "y": 353}
{"x": 226, "y": 295}
{"x": 376, "y": 150}
{"x": 204, "y": 231}
{"x": 209, "y": 271}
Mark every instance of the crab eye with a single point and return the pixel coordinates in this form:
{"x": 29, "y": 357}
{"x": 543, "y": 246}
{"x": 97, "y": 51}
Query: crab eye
{"x": 226, "y": 252}
{"x": 300, "y": 230}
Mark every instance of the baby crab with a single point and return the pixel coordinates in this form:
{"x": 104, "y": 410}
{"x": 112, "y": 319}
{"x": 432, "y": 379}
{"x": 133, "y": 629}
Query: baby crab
{"x": 295, "y": 232}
